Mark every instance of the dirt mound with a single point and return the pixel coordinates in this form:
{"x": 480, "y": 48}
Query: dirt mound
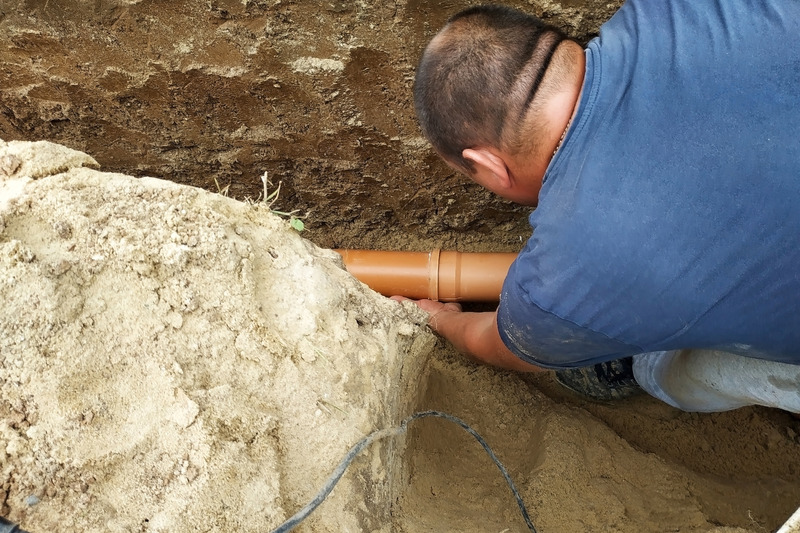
{"x": 173, "y": 360}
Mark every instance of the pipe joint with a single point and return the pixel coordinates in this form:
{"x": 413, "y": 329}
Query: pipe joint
{"x": 447, "y": 276}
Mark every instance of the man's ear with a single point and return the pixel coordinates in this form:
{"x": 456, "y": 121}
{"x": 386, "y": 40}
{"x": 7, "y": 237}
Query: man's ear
{"x": 488, "y": 165}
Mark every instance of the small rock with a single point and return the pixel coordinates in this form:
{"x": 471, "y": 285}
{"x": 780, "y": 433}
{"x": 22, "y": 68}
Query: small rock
{"x": 63, "y": 229}
{"x": 9, "y": 164}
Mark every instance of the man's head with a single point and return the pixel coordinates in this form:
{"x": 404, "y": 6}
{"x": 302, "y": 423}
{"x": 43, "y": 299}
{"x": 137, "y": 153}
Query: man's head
{"x": 480, "y": 79}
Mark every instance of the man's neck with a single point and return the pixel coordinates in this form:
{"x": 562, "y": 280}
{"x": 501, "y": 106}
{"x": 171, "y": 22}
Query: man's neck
{"x": 554, "y": 118}
{"x": 563, "y": 105}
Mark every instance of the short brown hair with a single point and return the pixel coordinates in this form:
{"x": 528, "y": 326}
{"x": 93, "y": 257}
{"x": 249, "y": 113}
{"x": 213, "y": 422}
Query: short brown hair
{"x": 478, "y": 77}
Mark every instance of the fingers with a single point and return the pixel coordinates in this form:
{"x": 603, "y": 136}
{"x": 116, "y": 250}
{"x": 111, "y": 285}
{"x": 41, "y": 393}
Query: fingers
{"x": 431, "y": 306}
{"x": 452, "y": 306}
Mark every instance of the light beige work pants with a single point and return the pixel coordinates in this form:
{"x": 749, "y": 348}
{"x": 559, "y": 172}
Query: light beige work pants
{"x": 710, "y": 381}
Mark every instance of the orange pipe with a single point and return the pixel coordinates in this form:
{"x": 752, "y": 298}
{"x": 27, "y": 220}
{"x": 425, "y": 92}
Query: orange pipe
{"x": 446, "y": 276}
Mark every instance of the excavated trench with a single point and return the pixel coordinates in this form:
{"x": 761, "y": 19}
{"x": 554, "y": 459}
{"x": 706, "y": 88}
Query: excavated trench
{"x": 214, "y": 95}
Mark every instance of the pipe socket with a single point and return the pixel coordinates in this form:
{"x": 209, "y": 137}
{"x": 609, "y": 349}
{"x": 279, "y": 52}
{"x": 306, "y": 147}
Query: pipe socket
{"x": 447, "y": 276}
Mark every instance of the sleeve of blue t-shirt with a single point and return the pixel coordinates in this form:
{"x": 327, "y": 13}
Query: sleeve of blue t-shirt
{"x": 546, "y": 340}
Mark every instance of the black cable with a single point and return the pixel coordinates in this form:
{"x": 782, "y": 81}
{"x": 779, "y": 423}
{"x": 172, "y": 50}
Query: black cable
{"x": 303, "y": 513}
{"x": 6, "y": 526}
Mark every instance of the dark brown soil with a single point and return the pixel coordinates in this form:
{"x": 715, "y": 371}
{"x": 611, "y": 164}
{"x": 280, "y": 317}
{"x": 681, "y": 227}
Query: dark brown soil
{"x": 215, "y": 93}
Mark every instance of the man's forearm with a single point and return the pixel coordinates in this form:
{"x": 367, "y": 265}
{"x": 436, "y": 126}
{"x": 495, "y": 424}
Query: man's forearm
{"x": 476, "y": 335}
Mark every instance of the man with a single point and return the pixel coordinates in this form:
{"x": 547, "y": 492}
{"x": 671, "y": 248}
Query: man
{"x": 665, "y": 163}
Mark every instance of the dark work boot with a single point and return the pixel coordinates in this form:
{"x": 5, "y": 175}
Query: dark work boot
{"x": 612, "y": 380}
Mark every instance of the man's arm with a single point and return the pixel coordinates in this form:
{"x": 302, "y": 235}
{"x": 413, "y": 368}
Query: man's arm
{"x": 473, "y": 334}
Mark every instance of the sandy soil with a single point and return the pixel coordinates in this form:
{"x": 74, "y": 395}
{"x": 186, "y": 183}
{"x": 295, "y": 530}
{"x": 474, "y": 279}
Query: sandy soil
{"x": 631, "y": 466}
{"x": 173, "y": 360}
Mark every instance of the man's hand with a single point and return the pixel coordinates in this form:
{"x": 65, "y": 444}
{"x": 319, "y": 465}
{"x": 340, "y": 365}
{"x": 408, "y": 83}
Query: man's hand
{"x": 473, "y": 334}
{"x": 433, "y": 308}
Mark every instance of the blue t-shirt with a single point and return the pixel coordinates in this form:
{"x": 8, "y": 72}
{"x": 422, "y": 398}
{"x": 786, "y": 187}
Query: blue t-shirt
{"x": 670, "y": 216}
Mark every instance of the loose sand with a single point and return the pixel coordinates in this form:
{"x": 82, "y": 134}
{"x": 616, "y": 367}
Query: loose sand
{"x": 174, "y": 360}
